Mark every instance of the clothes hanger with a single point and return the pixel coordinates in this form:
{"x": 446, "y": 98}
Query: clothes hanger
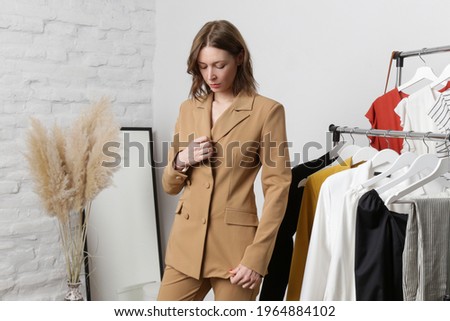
{"x": 404, "y": 160}
{"x": 334, "y": 152}
{"x": 421, "y": 163}
{"x": 384, "y": 157}
{"x": 347, "y": 151}
{"x": 422, "y": 73}
{"x": 364, "y": 153}
{"x": 442, "y": 167}
{"x": 444, "y": 76}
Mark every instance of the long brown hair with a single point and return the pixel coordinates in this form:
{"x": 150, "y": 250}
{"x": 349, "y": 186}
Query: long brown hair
{"x": 223, "y": 35}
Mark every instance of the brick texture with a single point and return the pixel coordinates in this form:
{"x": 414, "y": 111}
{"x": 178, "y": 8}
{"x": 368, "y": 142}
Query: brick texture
{"x": 56, "y": 57}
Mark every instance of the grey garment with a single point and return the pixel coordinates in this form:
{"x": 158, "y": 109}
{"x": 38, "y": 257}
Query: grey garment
{"x": 426, "y": 256}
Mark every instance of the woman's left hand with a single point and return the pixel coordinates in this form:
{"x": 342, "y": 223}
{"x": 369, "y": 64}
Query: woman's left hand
{"x": 245, "y": 277}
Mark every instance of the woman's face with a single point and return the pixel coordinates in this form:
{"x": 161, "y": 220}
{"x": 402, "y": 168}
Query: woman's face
{"x": 218, "y": 68}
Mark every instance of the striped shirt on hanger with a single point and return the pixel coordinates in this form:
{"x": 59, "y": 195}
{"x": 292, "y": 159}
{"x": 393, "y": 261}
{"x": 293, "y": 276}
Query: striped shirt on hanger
{"x": 440, "y": 114}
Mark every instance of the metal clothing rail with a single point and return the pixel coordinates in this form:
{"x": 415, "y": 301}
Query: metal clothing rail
{"x": 338, "y": 130}
{"x": 399, "y": 56}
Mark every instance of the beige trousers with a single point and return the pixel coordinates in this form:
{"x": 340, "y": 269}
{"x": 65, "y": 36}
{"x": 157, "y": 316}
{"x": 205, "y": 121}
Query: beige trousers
{"x": 176, "y": 286}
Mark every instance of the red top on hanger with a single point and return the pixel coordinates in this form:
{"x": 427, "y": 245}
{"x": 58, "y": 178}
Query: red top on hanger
{"x": 381, "y": 115}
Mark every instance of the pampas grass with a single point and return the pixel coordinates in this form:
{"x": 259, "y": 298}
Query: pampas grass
{"x": 68, "y": 173}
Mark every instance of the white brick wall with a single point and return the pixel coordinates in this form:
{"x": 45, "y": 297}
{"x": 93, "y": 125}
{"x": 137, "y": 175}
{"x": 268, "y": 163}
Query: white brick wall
{"x": 57, "y": 56}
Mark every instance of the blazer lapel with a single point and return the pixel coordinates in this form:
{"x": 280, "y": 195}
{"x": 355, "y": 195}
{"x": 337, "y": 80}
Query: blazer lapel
{"x": 236, "y": 113}
{"x": 202, "y": 116}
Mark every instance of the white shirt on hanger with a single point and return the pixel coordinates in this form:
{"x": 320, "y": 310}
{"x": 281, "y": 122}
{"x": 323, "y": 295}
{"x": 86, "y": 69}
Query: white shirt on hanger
{"x": 319, "y": 281}
{"x": 329, "y": 270}
{"x": 413, "y": 112}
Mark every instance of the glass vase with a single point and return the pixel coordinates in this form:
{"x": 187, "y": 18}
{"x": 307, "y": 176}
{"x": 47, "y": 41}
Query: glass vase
{"x": 73, "y": 293}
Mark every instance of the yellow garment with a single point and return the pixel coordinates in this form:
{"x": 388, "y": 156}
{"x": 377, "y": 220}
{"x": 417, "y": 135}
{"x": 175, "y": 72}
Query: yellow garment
{"x": 304, "y": 226}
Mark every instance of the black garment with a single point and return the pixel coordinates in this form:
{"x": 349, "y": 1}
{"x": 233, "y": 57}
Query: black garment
{"x": 380, "y": 239}
{"x": 275, "y": 282}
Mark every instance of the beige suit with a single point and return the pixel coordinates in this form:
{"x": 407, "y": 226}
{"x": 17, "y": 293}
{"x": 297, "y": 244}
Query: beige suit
{"x": 216, "y": 226}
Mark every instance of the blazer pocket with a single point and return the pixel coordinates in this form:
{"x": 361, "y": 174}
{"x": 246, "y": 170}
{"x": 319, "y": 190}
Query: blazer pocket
{"x": 237, "y": 217}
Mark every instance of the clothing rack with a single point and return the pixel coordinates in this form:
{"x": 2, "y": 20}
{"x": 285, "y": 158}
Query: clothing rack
{"x": 399, "y": 56}
{"x": 338, "y": 130}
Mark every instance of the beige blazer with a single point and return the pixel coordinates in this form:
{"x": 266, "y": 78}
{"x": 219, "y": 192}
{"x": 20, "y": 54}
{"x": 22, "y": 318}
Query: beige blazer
{"x": 216, "y": 225}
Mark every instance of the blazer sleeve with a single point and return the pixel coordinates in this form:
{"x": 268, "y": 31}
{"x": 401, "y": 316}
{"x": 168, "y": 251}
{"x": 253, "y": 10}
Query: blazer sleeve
{"x": 173, "y": 181}
{"x": 276, "y": 179}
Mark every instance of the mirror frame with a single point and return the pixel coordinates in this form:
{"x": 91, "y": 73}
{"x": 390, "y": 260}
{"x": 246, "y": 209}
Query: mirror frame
{"x": 157, "y": 237}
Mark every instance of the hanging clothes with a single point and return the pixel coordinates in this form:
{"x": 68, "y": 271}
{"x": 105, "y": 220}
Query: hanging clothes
{"x": 275, "y": 282}
{"x": 426, "y": 258}
{"x": 379, "y": 243}
{"x": 330, "y": 266}
{"x": 308, "y": 207}
{"x": 440, "y": 114}
{"x": 381, "y": 115}
{"x": 413, "y": 112}
{"x": 329, "y": 270}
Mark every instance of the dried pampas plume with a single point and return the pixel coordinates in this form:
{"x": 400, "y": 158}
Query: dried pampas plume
{"x": 47, "y": 164}
{"x": 84, "y": 153}
{"x": 67, "y": 165}
{"x": 68, "y": 172}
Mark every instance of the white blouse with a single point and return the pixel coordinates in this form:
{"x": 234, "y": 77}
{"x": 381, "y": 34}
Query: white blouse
{"x": 414, "y": 115}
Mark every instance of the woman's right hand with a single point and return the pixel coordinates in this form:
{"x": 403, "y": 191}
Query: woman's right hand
{"x": 198, "y": 150}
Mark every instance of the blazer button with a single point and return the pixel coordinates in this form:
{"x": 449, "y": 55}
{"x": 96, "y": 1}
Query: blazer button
{"x": 207, "y": 185}
{"x": 186, "y": 216}
{"x": 204, "y": 220}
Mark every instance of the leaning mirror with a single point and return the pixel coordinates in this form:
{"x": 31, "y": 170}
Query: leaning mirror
{"x": 123, "y": 236}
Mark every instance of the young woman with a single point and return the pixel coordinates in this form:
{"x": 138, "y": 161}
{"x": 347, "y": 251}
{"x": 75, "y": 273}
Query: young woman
{"x": 224, "y": 134}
